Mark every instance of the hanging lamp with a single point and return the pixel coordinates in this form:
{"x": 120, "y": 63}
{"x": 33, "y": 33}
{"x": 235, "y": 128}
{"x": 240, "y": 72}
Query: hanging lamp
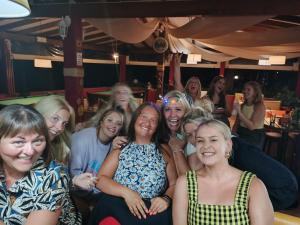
{"x": 14, "y": 8}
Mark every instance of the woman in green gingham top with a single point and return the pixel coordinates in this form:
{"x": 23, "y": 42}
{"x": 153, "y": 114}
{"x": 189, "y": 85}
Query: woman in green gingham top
{"x": 219, "y": 194}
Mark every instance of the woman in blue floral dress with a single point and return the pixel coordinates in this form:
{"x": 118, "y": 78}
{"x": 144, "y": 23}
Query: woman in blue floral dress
{"x": 138, "y": 181}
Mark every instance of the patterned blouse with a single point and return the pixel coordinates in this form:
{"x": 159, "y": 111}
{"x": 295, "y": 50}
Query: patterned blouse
{"x": 142, "y": 168}
{"x": 44, "y": 188}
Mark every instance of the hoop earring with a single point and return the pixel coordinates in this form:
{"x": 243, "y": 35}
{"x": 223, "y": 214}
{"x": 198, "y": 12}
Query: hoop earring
{"x": 227, "y": 155}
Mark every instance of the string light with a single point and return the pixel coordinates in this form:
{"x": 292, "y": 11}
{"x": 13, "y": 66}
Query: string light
{"x": 115, "y": 54}
{"x": 116, "y": 57}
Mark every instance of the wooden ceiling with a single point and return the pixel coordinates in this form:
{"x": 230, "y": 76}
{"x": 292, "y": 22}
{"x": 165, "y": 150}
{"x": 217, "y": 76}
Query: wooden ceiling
{"x": 46, "y": 14}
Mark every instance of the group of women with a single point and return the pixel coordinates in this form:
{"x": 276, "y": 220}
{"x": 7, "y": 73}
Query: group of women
{"x": 124, "y": 164}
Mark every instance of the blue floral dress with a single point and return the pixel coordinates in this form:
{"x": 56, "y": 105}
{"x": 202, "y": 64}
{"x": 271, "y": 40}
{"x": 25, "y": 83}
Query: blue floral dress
{"x": 142, "y": 168}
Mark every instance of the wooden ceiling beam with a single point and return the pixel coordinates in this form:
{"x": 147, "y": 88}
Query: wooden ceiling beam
{"x": 50, "y": 41}
{"x": 28, "y": 39}
{"x": 167, "y": 8}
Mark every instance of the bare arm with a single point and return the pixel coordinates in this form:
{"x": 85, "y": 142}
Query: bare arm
{"x": 180, "y": 161}
{"x": 172, "y": 177}
{"x": 1, "y": 223}
{"x": 256, "y": 118}
{"x": 177, "y": 73}
{"x": 107, "y": 185}
{"x": 180, "y": 202}
{"x": 105, "y": 182}
{"x": 158, "y": 204}
{"x": 44, "y": 217}
{"x": 260, "y": 206}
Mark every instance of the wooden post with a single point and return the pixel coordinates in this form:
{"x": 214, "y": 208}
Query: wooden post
{"x": 171, "y": 73}
{"x": 160, "y": 70}
{"x": 222, "y": 68}
{"x": 122, "y": 64}
{"x": 73, "y": 67}
{"x": 9, "y": 70}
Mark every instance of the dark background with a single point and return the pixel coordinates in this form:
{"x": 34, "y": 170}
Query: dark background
{"x": 29, "y": 78}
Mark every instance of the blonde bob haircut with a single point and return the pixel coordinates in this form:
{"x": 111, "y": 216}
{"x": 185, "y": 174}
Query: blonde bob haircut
{"x": 219, "y": 125}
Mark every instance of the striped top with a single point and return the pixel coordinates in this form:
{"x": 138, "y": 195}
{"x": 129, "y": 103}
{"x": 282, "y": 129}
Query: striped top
{"x": 204, "y": 214}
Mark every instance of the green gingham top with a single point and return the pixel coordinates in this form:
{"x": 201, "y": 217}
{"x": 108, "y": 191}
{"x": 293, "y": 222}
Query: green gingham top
{"x": 204, "y": 214}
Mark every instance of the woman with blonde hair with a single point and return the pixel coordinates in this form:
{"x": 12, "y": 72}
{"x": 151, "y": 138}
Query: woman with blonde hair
{"x": 174, "y": 107}
{"x": 60, "y": 120}
{"x": 219, "y": 193}
{"x": 190, "y": 124}
{"x": 192, "y": 89}
{"x": 121, "y": 95}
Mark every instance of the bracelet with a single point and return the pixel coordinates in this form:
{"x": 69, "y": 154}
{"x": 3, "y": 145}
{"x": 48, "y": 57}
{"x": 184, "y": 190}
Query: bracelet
{"x": 178, "y": 150}
{"x": 167, "y": 198}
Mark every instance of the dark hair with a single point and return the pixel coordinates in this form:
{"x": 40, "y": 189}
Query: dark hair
{"x": 211, "y": 90}
{"x": 120, "y": 111}
{"x": 136, "y": 114}
{"x": 15, "y": 119}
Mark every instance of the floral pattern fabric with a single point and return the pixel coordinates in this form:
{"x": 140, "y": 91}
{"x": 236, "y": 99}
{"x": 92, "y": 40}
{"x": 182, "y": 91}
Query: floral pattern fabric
{"x": 142, "y": 168}
{"x": 44, "y": 188}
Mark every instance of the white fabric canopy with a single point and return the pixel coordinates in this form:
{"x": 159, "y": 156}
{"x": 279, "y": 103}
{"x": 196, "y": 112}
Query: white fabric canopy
{"x": 254, "y": 39}
{"x": 249, "y": 53}
{"x": 126, "y": 30}
{"x": 215, "y": 38}
{"x": 210, "y": 27}
{"x": 185, "y": 46}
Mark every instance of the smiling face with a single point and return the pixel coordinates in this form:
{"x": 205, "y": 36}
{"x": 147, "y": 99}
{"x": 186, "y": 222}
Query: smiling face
{"x": 122, "y": 96}
{"x": 249, "y": 93}
{"x": 57, "y": 122}
{"x": 173, "y": 113}
{"x": 146, "y": 123}
{"x": 20, "y": 152}
{"x": 111, "y": 125}
{"x": 211, "y": 145}
{"x": 219, "y": 86}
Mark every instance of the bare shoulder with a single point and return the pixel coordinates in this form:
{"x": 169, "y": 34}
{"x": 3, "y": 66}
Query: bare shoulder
{"x": 260, "y": 106}
{"x": 181, "y": 185}
{"x": 257, "y": 187}
{"x": 166, "y": 151}
{"x": 181, "y": 178}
